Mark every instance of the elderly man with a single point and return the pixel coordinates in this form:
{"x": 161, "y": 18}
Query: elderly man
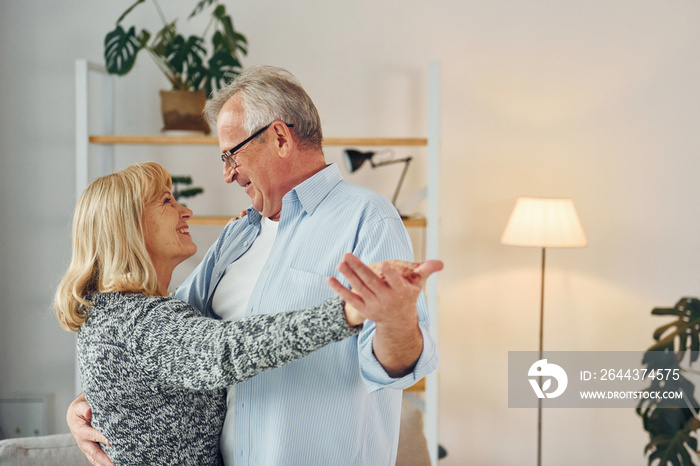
{"x": 342, "y": 404}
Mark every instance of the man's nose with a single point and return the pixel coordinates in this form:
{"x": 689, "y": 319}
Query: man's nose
{"x": 229, "y": 173}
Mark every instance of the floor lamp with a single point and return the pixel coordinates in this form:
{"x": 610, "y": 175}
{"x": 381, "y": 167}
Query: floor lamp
{"x": 543, "y": 223}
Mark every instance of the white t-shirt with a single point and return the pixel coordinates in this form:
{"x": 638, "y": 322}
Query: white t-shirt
{"x": 230, "y": 301}
{"x": 235, "y": 287}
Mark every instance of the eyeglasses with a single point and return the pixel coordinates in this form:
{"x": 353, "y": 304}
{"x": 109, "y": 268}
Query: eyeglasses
{"x": 229, "y": 155}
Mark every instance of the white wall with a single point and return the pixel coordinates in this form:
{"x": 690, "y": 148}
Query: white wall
{"x": 594, "y": 100}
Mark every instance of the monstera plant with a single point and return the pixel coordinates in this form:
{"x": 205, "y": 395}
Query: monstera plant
{"x": 672, "y": 423}
{"x": 190, "y": 63}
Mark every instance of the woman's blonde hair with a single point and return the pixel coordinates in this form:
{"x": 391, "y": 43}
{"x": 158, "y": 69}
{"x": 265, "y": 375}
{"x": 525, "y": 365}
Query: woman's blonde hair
{"x": 109, "y": 252}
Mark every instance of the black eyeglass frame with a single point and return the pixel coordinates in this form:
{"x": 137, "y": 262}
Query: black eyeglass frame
{"x": 228, "y": 156}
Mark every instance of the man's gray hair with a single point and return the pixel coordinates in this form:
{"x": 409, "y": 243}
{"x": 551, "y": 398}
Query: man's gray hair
{"x": 269, "y": 93}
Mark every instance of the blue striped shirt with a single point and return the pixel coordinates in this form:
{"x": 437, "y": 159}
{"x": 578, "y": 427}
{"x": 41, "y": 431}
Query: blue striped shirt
{"x": 336, "y": 406}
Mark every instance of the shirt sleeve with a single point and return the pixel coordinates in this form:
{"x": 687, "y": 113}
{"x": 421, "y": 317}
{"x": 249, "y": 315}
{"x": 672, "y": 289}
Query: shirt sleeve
{"x": 385, "y": 240}
{"x": 175, "y": 346}
{"x": 195, "y": 289}
{"x": 198, "y": 286}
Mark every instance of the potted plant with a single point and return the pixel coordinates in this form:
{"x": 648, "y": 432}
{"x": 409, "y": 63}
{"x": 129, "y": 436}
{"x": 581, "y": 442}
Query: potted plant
{"x": 193, "y": 69}
{"x": 179, "y": 192}
{"x": 673, "y": 424}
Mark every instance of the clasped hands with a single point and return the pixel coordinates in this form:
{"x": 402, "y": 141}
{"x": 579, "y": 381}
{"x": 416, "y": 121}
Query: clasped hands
{"x": 383, "y": 292}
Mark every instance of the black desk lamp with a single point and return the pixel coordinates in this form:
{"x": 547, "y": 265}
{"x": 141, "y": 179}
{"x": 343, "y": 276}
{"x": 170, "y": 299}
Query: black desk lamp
{"x": 353, "y": 159}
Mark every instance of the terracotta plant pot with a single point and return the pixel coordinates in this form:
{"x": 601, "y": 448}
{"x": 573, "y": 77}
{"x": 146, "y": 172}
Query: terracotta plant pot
{"x": 182, "y": 110}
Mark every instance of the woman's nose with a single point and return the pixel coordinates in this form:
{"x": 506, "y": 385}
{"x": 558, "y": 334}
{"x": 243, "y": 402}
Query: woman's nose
{"x": 185, "y": 212}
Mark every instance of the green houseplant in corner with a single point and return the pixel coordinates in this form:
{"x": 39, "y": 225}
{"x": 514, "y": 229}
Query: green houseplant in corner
{"x": 193, "y": 67}
{"x": 672, "y": 423}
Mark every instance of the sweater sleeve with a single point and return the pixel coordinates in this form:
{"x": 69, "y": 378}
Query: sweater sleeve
{"x": 176, "y": 347}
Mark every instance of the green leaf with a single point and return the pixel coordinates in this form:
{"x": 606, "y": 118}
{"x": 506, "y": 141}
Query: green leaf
{"x": 670, "y": 441}
{"x": 661, "y": 361}
{"x": 665, "y": 344}
{"x": 661, "y": 330}
{"x": 143, "y": 38}
{"x": 661, "y": 311}
{"x": 191, "y": 192}
{"x": 198, "y": 77}
{"x": 242, "y": 43}
{"x": 695, "y": 346}
{"x": 219, "y": 11}
{"x": 201, "y": 6}
{"x": 670, "y": 422}
{"x": 223, "y": 68}
{"x": 229, "y": 39}
{"x": 163, "y": 39}
{"x": 128, "y": 10}
{"x": 121, "y": 49}
{"x": 684, "y": 330}
{"x": 220, "y": 41}
{"x": 655, "y": 359}
{"x": 181, "y": 179}
{"x": 183, "y": 54}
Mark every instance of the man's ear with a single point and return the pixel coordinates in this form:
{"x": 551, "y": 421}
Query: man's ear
{"x": 282, "y": 138}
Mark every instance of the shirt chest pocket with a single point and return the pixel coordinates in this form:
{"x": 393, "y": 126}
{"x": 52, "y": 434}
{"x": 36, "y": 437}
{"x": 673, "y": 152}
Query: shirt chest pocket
{"x": 309, "y": 287}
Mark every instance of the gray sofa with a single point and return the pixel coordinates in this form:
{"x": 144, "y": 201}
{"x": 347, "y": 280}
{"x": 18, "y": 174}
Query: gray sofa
{"x": 61, "y": 449}
{"x": 47, "y": 450}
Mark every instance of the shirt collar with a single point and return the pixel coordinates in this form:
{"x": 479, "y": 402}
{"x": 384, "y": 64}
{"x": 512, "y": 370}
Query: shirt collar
{"x": 313, "y": 190}
{"x": 253, "y": 216}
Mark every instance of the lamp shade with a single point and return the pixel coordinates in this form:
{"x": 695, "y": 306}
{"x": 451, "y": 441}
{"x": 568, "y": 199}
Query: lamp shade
{"x": 353, "y": 159}
{"x": 545, "y": 223}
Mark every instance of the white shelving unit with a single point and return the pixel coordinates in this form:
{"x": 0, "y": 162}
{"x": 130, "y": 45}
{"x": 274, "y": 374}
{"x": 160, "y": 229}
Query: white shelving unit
{"x": 107, "y": 140}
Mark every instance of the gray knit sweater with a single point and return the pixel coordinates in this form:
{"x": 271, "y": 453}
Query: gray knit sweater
{"x": 154, "y": 370}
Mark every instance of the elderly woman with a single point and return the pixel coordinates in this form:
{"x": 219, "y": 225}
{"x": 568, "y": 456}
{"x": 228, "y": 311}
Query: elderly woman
{"x": 153, "y": 369}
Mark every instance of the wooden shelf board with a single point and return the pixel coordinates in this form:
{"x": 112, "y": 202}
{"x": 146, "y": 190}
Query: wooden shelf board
{"x": 417, "y": 387}
{"x": 155, "y": 140}
{"x": 213, "y": 141}
{"x": 415, "y": 222}
{"x": 209, "y": 220}
{"x": 412, "y": 222}
{"x": 415, "y": 142}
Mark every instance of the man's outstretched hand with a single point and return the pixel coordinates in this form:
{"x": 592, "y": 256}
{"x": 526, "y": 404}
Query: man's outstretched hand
{"x": 79, "y": 419}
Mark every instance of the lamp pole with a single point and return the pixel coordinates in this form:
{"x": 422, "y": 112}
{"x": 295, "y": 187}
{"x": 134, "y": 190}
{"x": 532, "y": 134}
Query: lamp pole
{"x": 539, "y": 400}
{"x": 406, "y": 161}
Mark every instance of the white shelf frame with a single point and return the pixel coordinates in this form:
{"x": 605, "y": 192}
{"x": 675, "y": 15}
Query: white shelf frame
{"x": 83, "y": 71}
